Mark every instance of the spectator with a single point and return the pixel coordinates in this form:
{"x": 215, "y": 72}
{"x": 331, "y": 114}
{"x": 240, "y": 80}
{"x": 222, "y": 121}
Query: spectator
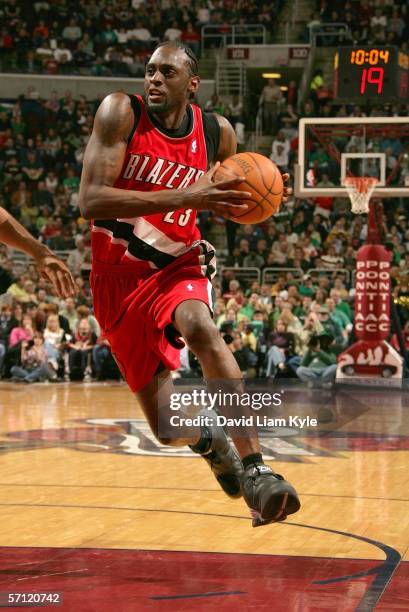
{"x": 65, "y": 158}
{"x": 248, "y": 336}
{"x": 34, "y": 362}
{"x": 69, "y": 312}
{"x": 72, "y": 32}
{"x": 135, "y": 65}
{"x": 41, "y": 197}
{"x": 253, "y": 260}
{"x": 52, "y": 105}
{"x": 270, "y": 102}
{"x": 52, "y": 145}
{"x": 81, "y": 351}
{"x": 174, "y": 32}
{"x": 101, "y": 352}
{"x": 242, "y": 355}
{"x": 228, "y": 318}
{"x": 62, "y": 54}
{"x": 23, "y": 333}
{"x": 379, "y": 19}
{"x": 17, "y": 290}
{"x": 191, "y": 38}
{"x": 332, "y": 328}
{"x": 71, "y": 181}
{"x": 202, "y": 14}
{"x": 54, "y": 309}
{"x": 6, "y": 324}
{"x": 215, "y": 105}
{"x": 405, "y": 334}
{"x": 281, "y": 346}
{"x": 77, "y": 256}
{"x": 32, "y": 169}
{"x": 337, "y": 315}
{"x": 280, "y": 152}
{"x": 235, "y": 110}
{"x": 29, "y": 288}
{"x": 140, "y": 34}
{"x": 317, "y": 87}
{"x": 54, "y": 342}
{"x": 318, "y": 366}
{"x": 84, "y": 313}
{"x": 331, "y": 260}
{"x": 44, "y": 53}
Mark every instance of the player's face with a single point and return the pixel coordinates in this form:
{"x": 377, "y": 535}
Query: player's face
{"x": 168, "y": 81}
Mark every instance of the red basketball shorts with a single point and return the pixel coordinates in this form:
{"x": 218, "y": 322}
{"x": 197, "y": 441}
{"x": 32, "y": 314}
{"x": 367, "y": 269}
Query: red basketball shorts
{"x": 135, "y": 309}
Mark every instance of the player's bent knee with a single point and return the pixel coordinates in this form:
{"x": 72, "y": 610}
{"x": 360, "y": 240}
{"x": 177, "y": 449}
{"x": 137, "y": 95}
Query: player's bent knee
{"x": 201, "y": 336}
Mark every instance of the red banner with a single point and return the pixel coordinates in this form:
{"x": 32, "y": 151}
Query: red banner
{"x": 372, "y": 293}
{"x": 238, "y": 53}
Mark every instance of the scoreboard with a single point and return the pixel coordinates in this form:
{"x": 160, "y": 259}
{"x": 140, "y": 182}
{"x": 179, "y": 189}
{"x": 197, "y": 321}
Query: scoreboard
{"x": 371, "y": 74}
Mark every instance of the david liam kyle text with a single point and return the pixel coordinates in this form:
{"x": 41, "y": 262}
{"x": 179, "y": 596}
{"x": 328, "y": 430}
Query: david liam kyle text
{"x": 256, "y": 420}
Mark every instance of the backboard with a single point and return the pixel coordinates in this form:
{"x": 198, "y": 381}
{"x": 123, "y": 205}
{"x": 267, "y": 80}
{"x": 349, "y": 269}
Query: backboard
{"x": 331, "y": 149}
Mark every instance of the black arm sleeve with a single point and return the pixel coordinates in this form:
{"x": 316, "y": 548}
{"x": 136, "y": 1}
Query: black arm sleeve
{"x": 137, "y": 114}
{"x": 211, "y": 130}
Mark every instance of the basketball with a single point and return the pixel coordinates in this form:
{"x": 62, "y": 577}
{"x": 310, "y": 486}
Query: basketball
{"x": 262, "y": 178}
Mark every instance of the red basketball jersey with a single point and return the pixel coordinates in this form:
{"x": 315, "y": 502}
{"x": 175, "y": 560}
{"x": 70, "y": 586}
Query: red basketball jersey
{"x": 154, "y": 161}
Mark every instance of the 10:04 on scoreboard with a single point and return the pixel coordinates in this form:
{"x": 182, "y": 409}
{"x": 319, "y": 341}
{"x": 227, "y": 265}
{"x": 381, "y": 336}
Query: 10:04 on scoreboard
{"x": 366, "y": 74}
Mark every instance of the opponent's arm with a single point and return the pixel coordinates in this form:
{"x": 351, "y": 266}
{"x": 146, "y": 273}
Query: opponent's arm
{"x": 103, "y": 161}
{"x": 50, "y": 266}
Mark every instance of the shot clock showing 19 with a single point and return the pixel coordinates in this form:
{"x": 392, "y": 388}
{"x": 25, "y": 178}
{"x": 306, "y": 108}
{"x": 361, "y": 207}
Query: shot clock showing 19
{"x": 371, "y": 73}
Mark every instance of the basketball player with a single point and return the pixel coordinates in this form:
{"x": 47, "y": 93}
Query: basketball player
{"x": 145, "y": 176}
{"x": 50, "y": 266}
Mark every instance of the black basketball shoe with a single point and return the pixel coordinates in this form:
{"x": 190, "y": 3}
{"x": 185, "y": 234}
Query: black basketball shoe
{"x": 269, "y": 497}
{"x": 223, "y": 459}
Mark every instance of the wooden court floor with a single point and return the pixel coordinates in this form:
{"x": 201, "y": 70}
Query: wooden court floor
{"x": 92, "y": 507}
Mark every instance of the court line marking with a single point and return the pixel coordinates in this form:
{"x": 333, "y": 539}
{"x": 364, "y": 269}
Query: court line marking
{"x": 217, "y": 490}
{"x": 384, "y": 572}
{"x": 64, "y": 549}
{"x": 85, "y": 569}
{"x": 161, "y": 597}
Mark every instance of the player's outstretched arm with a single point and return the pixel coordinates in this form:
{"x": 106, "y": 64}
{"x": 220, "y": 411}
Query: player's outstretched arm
{"x": 103, "y": 162}
{"x": 50, "y": 266}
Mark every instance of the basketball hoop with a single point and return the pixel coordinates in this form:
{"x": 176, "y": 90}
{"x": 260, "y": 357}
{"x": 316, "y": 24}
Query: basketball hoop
{"x": 360, "y": 189}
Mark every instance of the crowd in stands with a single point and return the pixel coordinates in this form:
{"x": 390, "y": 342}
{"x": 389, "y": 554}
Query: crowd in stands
{"x": 43, "y": 339}
{"x": 41, "y": 149}
{"x": 296, "y": 324}
{"x": 114, "y": 37}
{"x": 368, "y": 22}
{"x": 293, "y": 323}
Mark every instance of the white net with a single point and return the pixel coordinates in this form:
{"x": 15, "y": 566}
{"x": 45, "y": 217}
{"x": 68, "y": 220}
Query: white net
{"x": 360, "y": 189}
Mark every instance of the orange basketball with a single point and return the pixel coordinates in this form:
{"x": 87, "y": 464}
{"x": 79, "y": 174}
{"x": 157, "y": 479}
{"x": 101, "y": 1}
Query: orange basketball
{"x": 262, "y": 179}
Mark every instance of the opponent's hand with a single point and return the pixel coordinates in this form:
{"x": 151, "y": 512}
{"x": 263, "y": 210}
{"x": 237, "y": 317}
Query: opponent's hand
{"x": 287, "y": 190}
{"x": 218, "y": 196}
{"x": 55, "y": 270}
